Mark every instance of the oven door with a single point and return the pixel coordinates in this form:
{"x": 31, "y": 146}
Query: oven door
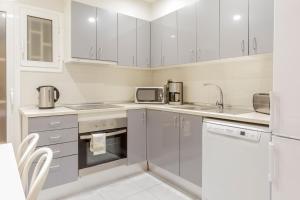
{"x": 116, "y": 148}
{"x": 149, "y": 95}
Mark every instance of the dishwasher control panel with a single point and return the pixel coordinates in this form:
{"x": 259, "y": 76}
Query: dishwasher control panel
{"x": 244, "y": 134}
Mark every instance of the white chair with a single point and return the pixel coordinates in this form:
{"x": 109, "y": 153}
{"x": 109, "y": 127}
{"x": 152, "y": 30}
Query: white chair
{"x": 44, "y": 158}
{"x": 25, "y": 149}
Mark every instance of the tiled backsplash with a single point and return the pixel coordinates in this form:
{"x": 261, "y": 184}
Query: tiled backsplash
{"x": 239, "y": 78}
{"x": 82, "y": 83}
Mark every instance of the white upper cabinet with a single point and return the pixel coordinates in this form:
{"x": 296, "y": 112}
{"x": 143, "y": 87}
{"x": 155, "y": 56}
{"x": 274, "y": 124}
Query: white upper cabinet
{"x": 202, "y": 31}
{"x": 169, "y": 39}
{"x": 208, "y": 30}
{"x": 83, "y": 29}
{"x": 261, "y": 20}
{"x": 143, "y": 43}
{"x": 233, "y": 28}
{"x": 126, "y": 40}
{"x": 156, "y": 43}
{"x": 187, "y": 38}
{"x": 107, "y": 35}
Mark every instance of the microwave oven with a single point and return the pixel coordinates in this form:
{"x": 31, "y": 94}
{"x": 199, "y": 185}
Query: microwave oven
{"x": 151, "y": 95}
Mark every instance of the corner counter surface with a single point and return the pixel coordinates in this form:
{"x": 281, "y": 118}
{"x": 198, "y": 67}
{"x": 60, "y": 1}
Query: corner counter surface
{"x": 251, "y": 117}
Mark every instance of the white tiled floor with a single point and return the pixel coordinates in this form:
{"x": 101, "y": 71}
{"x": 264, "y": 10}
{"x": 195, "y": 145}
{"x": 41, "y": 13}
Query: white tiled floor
{"x": 140, "y": 187}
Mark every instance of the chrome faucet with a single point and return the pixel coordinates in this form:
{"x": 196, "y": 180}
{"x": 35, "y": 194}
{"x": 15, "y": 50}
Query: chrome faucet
{"x": 220, "y": 102}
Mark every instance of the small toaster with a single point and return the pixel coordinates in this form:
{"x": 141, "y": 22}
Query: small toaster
{"x": 261, "y": 103}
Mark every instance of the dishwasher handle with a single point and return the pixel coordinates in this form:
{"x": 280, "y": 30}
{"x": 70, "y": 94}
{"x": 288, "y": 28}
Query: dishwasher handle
{"x": 253, "y": 136}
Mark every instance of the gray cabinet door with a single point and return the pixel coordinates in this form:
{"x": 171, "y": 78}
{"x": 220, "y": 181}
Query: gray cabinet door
{"x": 163, "y": 140}
{"x": 83, "y": 31}
{"x": 233, "y": 28}
{"x": 143, "y": 43}
{"x": 208, "y": 30}
{"x": 156, "y": 43}
{"x": 136, "y": 135}
{"x": 107, "y": 35}
{"x": 261, "y": 20}
{"x": 191, "y": 148}
{"x": 169, "y": 41}
{"x": 187, "y": 37}
{"x": 126, "y": 40}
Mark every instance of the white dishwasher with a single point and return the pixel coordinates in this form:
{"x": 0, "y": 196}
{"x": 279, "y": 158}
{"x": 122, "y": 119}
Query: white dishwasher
{"x": 235, "y": 161}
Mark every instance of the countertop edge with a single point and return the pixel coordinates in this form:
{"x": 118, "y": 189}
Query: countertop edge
{"x": 255, "y": 118}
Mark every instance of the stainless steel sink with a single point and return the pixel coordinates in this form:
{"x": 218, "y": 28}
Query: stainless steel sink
{"x": 213, "y": 109}
{"x": 232, "y": 111}
{"x": 195, "y": 107}
{"x": 91, "y": 106}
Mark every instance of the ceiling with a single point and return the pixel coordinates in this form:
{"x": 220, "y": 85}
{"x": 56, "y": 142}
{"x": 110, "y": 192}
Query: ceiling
{"x": 150, "y": 1}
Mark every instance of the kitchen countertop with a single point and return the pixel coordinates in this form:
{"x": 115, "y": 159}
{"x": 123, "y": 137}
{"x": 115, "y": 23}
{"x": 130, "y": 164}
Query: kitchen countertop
{"x": 251, "y": 117}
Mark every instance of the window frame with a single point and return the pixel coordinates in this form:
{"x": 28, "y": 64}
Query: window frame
{"x": 57, "y": 53}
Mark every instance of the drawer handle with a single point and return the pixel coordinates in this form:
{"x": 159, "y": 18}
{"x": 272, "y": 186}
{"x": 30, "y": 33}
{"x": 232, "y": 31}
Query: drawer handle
{"x": 55, "y": 137}
{"x": 56, "y": 152}
{"x": 55, "y": 123}
{"x": 54, "y": 167}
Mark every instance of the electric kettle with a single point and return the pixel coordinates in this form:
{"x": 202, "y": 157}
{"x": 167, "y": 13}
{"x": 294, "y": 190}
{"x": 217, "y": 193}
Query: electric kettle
{"x": 48, "y": 95}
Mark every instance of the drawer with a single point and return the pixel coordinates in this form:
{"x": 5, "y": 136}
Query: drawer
{"x": 62, "y": 170}
{"x": 37, "y": 124}
{"x": 64, "y": 149}
{"x": 58, "y": 136}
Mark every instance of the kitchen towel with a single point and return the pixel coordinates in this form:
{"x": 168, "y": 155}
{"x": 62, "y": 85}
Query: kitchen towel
{"x": 98, "y": 144}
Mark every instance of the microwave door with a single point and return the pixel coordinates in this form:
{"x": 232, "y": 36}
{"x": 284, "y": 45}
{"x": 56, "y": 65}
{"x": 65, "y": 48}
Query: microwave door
{"x": 146, "y": 95}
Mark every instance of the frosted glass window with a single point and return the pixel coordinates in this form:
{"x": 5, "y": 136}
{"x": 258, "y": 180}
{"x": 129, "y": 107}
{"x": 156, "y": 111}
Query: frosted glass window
{"x": 39, "y": 39}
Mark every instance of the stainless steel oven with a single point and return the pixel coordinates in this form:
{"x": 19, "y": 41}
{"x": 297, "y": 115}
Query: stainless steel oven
{"x": 115, "y": 130}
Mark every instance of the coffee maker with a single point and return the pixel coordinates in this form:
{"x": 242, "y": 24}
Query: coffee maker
{"x": 175, "y": 93}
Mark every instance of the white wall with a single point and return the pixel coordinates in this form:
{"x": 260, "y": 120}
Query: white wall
{"x": 135, "y": 8}
{"x": 164, "y": 7}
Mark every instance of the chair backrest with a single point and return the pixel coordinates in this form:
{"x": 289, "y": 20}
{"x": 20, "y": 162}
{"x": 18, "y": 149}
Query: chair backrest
{"x": 44, "y": 158}
{"x": 25, "y": 149}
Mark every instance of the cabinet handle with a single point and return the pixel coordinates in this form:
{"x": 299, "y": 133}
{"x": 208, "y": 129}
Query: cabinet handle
{"x": 91, "y": 54}
{"x": 133, "y": 60}
{"x": 99, "y": 53}
{"x": 144, "y": 117}
{"x": 198, "y": 54}
{"x": 163, "y": 60}
{"x": 56, "y": 152}
{"x": 182, "y": 122}
{"x": 175, "y": 122}
{"x": 255, "y": 44}
{"x": 192, "y": 55}
{"x": 55, "y": 123}
{"x": 243, "y": 46}
{"x": 54, "y": 167}
{"x": 55, "y": 137}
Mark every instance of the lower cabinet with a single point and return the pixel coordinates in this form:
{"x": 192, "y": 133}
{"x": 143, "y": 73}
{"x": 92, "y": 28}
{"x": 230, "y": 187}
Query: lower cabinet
{"x": 191, "y": 148}
{"x": 174, "y": 143}
{"x": 62, "y": 170}
{"x": 136, "y": 136}
{"x": 60, "y": 134}
{"x": 163, "y": 140}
